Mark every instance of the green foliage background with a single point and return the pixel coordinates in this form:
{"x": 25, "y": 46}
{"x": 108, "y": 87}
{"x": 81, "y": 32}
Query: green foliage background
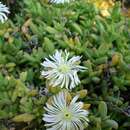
{"x": 34, "y": 31}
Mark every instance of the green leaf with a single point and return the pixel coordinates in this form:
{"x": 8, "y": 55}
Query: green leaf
{"x": 23, "y": 76}
{"x": 23, "y": 118}
{"x": 48, "y": 45}
{"x": 51, "y": 30}
{"x": 102, "y": 109}
{"x": 3, "y": 114}
{"x": 110, "y": 124}
{"x": 76, "y": 28}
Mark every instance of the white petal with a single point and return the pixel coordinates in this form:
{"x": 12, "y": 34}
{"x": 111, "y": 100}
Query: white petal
{"x": 3, "y": 11}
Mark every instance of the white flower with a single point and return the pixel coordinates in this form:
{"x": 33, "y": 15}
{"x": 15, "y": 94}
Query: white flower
{"x": 3, "y": 11}
{"x": 60, "y": 1}
{"x": 61, "y": 115}
{"x": 62, "y": 71}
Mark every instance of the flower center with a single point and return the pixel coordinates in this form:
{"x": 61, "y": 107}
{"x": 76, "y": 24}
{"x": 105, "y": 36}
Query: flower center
{"x": 64, "y": 68}
{"x": 67, "y": 115}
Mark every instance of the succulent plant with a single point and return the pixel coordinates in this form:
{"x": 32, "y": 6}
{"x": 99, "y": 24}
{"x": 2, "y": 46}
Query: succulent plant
{"x": 35, "y": 32}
